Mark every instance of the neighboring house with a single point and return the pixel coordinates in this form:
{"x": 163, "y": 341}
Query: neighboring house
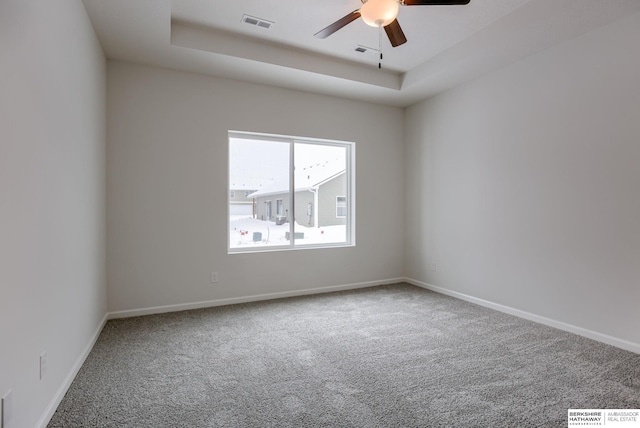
{"x": 240, "y": 203}
{"x": 320, "y": 197}
{"x": 240, "y": 189}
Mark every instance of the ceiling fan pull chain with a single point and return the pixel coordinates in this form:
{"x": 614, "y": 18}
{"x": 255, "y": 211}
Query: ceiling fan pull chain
{"x": 380, "y": 45}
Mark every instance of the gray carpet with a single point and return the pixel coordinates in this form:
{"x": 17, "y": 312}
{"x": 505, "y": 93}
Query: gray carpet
{"x": 390, "y": 356}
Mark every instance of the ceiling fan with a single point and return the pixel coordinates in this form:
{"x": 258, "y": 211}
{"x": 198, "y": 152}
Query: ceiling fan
{"x": 383, "y": 13}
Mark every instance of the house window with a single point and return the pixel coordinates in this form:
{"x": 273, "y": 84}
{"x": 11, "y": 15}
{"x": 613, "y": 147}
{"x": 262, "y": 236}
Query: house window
{"x": 232, "y": 194}
{"x": 247, "y": 193}
{"x": 267, "y": 213}
{"x": 341, "y": 206}
{"x": 310, "y": 181}
{"x": 279, "y": 209}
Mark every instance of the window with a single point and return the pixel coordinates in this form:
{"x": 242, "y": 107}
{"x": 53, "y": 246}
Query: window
{"x": 279, "y": 210}
{"x": 341, "y": 206}
{"x": 232, "y": 194}
{"x": 267, "y": 211}
{"x": 309, "y": 180}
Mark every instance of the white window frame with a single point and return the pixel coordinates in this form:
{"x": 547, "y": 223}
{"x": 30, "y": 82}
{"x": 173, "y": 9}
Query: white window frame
{"x": 279, "y": 208}
{"x": 350, "y": 238}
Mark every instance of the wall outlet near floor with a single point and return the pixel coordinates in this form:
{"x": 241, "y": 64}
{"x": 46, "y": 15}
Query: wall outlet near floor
{"x": 214, "y": 278}
{"x": 43, "y": 365}
{"x": 434, "y": 266}
{"x": 6, "y": 409}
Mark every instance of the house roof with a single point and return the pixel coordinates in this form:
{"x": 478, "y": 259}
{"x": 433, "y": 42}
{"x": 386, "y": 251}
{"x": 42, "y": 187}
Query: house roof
{"x": 306, "y": 178}
{"x": 242, "y": 182}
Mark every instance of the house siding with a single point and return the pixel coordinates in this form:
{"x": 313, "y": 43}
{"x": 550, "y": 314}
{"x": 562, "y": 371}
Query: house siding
{"x": 327, "y": 193}
{"x": 302, "y": 200}
{"x": 261, "y": 206}
{"x": 327, "y": 201}
{"x": 239, "y": 204}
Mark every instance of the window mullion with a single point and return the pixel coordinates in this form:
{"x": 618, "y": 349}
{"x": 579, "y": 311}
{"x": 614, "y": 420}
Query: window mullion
{"x": 292, "y": 194}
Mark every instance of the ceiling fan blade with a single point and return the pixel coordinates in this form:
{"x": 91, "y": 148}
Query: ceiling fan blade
{"x": 326, "y": 32}
{"x": 395, "y": 34}
{"x": 433, "y": 2}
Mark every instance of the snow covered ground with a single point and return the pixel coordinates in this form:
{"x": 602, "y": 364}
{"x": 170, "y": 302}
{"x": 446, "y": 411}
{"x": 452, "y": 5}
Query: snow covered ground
{"x": 242, "y": 229}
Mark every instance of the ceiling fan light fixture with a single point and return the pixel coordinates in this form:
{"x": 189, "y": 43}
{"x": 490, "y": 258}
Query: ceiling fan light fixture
{"x": 379, "y": 13}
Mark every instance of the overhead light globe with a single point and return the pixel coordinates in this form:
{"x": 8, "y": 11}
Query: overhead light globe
{"x": 379, "y": 13}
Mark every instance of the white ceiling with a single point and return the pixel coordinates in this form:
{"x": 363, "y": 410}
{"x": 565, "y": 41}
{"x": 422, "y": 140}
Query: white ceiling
{"x": 447, "y": 45}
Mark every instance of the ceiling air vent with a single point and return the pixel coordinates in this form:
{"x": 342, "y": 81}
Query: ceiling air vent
{"x": 258, "y": 22}
{"x": 363, "y": 49}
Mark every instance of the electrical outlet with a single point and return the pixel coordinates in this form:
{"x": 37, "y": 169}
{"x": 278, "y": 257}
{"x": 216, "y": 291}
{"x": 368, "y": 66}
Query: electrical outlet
{"x": 214, "y": 277}
{"x": 434, "y": 266}
{"x": 6, "y": 409}
{"x": 43, "y": 365}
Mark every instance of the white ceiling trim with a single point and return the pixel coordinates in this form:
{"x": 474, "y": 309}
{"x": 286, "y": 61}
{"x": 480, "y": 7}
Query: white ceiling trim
{"x": 206, "y": 39}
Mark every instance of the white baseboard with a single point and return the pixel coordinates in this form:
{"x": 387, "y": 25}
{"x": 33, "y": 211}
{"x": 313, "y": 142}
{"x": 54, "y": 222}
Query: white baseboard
{"x": 600, "y": 337}
{"x": 247, "y": 299}
{"x": 59, "y": 395}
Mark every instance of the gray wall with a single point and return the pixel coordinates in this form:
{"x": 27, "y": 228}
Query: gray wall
{"x": 167, "y": 173}
{"x": 523, "y": 186}
{"x": 52, "y": 209}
